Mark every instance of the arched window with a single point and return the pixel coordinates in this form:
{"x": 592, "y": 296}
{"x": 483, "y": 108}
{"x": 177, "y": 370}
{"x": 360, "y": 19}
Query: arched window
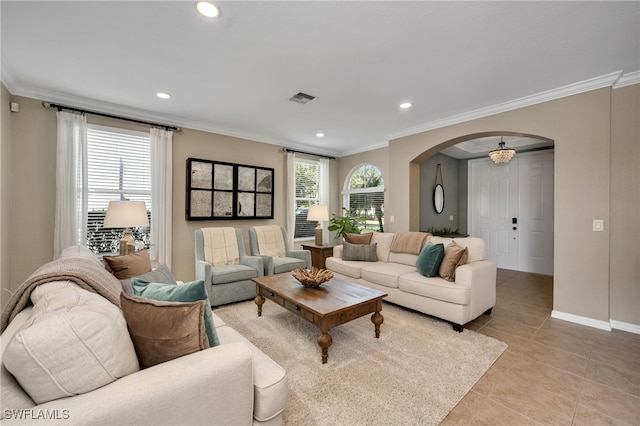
{"x": 364, "y": 196}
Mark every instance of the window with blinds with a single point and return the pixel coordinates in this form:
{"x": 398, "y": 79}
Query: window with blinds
{"x": 307, "y": 174}
{"x": 119, "y": 167}
{"x": 365, "y": 197}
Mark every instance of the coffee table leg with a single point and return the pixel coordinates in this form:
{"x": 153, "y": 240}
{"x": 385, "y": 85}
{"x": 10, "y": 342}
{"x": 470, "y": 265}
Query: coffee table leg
{"x": 377, "y": 319}
{"x": 259, "y": 300}
{"x": 324, "y": 341}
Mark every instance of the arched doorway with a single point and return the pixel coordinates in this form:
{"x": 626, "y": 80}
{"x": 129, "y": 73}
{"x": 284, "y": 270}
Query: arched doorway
{"x": 508, "y": 205}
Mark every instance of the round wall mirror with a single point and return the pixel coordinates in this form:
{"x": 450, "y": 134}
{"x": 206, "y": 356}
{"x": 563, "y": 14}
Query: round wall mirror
{"x": 438, "y": 198}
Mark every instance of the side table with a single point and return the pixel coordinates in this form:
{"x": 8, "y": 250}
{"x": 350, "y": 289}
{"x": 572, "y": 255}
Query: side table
{"x": 319, "y": 253}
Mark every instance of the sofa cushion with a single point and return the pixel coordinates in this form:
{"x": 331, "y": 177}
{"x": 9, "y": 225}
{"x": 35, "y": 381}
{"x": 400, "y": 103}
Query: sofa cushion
{"x": 270, "y": 386}
{"x": 408, "y": 242}
{"x": 429, "y": 260}
{"x": 72, "y": 350}
{"x": 385, "y": 274}
{"x": 349, "y": 268}
{"x": 454, "y": 256}
{"x": 434, "y": 288}
{"x": 364, "y": 252}
{"x": 161, "y": 274}
{"x": 477, "y": 247}
{"x": 162, "y": 331}
{"x": 358, "y": 238}
{"x": 404, "y": 258}
{"x": 129, "y": 265}
{"x": 187, "y": 292}
{"x": 286, "y": 264}
{"x": 383, "y": 241}
{"x": 232, "y": 273}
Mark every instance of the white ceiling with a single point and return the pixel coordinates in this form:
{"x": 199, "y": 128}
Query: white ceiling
{"x": 234, "y": 75}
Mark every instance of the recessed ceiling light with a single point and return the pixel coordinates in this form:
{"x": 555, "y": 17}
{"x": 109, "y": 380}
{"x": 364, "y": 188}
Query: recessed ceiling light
{"x": 405, "y": 105}
{"x": 163, "y": 95}
{"x": 208, "y": 9}
{"x": 320, "y": 135}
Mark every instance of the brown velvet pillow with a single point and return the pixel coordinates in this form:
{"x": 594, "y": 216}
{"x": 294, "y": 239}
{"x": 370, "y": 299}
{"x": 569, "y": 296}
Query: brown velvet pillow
{"x": 162, "y": 331}
{"x": 358, "y": 238}
{"x": 129, "y": 265}
{"x": 454, "y": 256}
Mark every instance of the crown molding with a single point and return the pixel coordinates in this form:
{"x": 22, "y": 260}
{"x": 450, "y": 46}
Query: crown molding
{"x": 6, "y": 76}
{"x": 606, "y": 80}
{"x": 627, "y": 80}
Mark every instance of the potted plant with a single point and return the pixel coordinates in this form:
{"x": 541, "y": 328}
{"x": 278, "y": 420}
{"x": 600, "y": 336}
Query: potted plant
{"x": 346, "y": 224}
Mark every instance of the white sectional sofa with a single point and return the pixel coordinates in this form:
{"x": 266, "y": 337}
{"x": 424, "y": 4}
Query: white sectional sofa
{"x": 79, "y": 366}
{"x": 471, "y": 294}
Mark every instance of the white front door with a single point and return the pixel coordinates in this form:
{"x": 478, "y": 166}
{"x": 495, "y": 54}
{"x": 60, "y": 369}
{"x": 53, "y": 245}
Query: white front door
{"x": 493, "y": 192}
{"x": 511, "y": 208}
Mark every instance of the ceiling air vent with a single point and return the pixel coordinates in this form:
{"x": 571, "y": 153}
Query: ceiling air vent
{"x": 302, "y": 98}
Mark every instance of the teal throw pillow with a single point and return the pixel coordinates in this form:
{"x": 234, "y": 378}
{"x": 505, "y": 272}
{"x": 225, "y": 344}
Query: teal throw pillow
{"x": 429, "y": 259}
{"x": 187, "y": 292}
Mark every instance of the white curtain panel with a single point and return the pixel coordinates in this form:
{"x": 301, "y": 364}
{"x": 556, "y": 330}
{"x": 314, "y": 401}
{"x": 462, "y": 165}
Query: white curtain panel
{"x": 324, "y": 194}
{"x": 161, "y": 195}
{"x": 71, "y": 182}
{"x": 290, "y": 214}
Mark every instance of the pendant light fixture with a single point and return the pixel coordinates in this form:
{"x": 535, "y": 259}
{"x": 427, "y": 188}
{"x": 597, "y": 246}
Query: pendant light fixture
{"x": 502, "y": 154}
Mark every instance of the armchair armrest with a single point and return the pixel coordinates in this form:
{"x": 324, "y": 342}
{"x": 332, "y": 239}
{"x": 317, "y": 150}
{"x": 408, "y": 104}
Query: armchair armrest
{"x": 301, "y": 254}
{"x": 255, "y": 262}
{"x": 214, "y": 386}
{"x": 203, "y": 272}
{"x": 480, "y": 276}
{"x": 337, "y": 251}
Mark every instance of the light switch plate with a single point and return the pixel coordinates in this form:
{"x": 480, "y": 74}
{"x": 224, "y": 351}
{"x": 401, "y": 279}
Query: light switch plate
{"x": 598, "y": 225}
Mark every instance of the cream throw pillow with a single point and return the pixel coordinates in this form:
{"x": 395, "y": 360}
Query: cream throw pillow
{"x": 71, "y": 350}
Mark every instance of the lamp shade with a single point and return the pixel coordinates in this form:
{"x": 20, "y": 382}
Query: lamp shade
{"x": 126, "y": 214}
{"x": 318, "y": 213}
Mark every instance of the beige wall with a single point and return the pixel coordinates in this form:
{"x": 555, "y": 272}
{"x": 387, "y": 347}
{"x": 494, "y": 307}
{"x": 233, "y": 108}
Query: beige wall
{"x": 5, "y": 178}
{"x": 29, "y": 239}
{"x": 624, "y": 272}
{"x": 596, "y": 184}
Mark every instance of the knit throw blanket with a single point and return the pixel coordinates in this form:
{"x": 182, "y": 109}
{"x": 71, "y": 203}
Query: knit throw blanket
{"x": 408, "y": 242}
{"x": 85, "y": 273}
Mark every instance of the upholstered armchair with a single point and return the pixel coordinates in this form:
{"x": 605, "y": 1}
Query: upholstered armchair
{"x": 272, "y": 244}
{"x": 222, "y": 262}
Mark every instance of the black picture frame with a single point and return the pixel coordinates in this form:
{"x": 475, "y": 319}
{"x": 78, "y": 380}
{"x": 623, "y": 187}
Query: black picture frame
{"x": 218, "y": 190}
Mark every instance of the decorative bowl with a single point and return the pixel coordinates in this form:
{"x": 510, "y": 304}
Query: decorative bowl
{"x": 312, "y": 278}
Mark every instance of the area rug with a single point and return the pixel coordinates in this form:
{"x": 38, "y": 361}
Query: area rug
{"x": 415, "y": 373}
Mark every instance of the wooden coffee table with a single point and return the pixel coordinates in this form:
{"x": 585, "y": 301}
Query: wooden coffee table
{"x": 333, "y": 303}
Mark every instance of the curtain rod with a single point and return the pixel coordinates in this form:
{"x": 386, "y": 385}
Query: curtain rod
{"x": 102, "y": 114}
{"x": 310, "y": 153}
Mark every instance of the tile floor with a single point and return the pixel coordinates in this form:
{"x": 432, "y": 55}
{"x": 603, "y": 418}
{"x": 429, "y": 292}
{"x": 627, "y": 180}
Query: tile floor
{"x": 553, "y": 372}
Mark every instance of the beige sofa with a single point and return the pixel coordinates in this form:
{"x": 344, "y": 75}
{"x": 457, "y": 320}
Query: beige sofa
{"x": 96, "y": 378}
{"x": 471, "y": 294}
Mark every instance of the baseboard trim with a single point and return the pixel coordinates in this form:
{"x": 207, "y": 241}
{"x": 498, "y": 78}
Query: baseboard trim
{"x": 589, "y": 322}
{"x": 625, "y": 326}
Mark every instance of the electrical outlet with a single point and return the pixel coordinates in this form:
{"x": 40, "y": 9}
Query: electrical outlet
{"x": 392, "y": 219}
{"x": 451, "y": 217}
{"x": 598, "y": 225}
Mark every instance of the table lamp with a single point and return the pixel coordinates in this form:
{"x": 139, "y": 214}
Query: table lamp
{"x": 321, "y": 214}
{"x": 126, "y": 214}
